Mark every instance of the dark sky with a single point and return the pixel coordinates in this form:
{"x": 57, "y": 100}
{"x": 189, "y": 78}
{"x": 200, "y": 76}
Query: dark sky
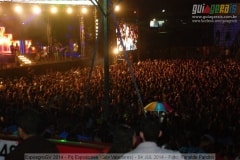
{"x": 177, "y": 11}
{"x": 179, "y": 29}
{"x": 176, "y": 7}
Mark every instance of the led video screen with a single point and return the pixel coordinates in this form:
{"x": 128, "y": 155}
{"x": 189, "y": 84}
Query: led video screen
{"x": 156, "y": 23}
{"x": 128, "y": 35}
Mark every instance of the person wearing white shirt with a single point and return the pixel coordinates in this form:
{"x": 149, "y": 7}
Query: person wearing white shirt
{"x": 150, "y": 131}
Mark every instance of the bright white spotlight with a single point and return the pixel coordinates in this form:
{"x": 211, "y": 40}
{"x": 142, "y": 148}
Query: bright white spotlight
{"x": 84, "y": 10}
{"x": 18, "y": 9}
{"x": 36, "y": 10}
{"x": 115, "y": 51}
{"x": 69, "y": 10}
{"x": 117, "y": 8}
{"x": 54, "y": 10}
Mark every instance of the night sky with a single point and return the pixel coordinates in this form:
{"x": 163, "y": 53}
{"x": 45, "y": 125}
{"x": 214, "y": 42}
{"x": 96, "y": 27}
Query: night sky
{"x": 177, "y": 14}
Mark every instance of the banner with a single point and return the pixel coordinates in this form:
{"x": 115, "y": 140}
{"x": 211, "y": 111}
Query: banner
{"x": 6, "y": 146}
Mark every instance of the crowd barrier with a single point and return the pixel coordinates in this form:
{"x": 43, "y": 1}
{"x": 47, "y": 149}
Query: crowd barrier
{"x": 8, "y": 143}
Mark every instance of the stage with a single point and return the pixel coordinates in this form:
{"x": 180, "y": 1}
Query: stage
{"x": 9, "y": 68}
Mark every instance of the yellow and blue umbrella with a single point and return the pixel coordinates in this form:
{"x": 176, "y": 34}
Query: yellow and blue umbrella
{"x": 158, "y": 107}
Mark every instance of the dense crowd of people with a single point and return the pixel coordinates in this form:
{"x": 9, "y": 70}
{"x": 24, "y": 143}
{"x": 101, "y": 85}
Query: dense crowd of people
{"x": 204, "y": 95}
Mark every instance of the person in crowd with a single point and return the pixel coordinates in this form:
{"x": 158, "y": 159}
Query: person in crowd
{"x": 12, "y": 49}
{"x": 207, "y": 144}
{"x": 150, "y": 131}
{"x": 30, "y": 127}
{"x": 17, "y": 53}
{"x": 124, "y": 139}
{"x": 17, "y": 49}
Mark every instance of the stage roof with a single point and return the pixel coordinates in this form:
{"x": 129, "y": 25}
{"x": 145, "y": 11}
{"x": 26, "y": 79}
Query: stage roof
{"x": 71, "y": 2}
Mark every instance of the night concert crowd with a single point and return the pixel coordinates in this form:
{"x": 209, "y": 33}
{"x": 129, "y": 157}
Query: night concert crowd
{"x": 204, "y": 96}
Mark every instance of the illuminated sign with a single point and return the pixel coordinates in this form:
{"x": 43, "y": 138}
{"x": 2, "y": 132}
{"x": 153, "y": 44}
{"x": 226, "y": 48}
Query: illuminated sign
{"x": 73, "y": 2}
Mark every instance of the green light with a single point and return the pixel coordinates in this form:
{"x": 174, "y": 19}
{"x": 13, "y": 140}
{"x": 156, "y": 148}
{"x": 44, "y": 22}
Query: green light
{"x": 63, "y": 140}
